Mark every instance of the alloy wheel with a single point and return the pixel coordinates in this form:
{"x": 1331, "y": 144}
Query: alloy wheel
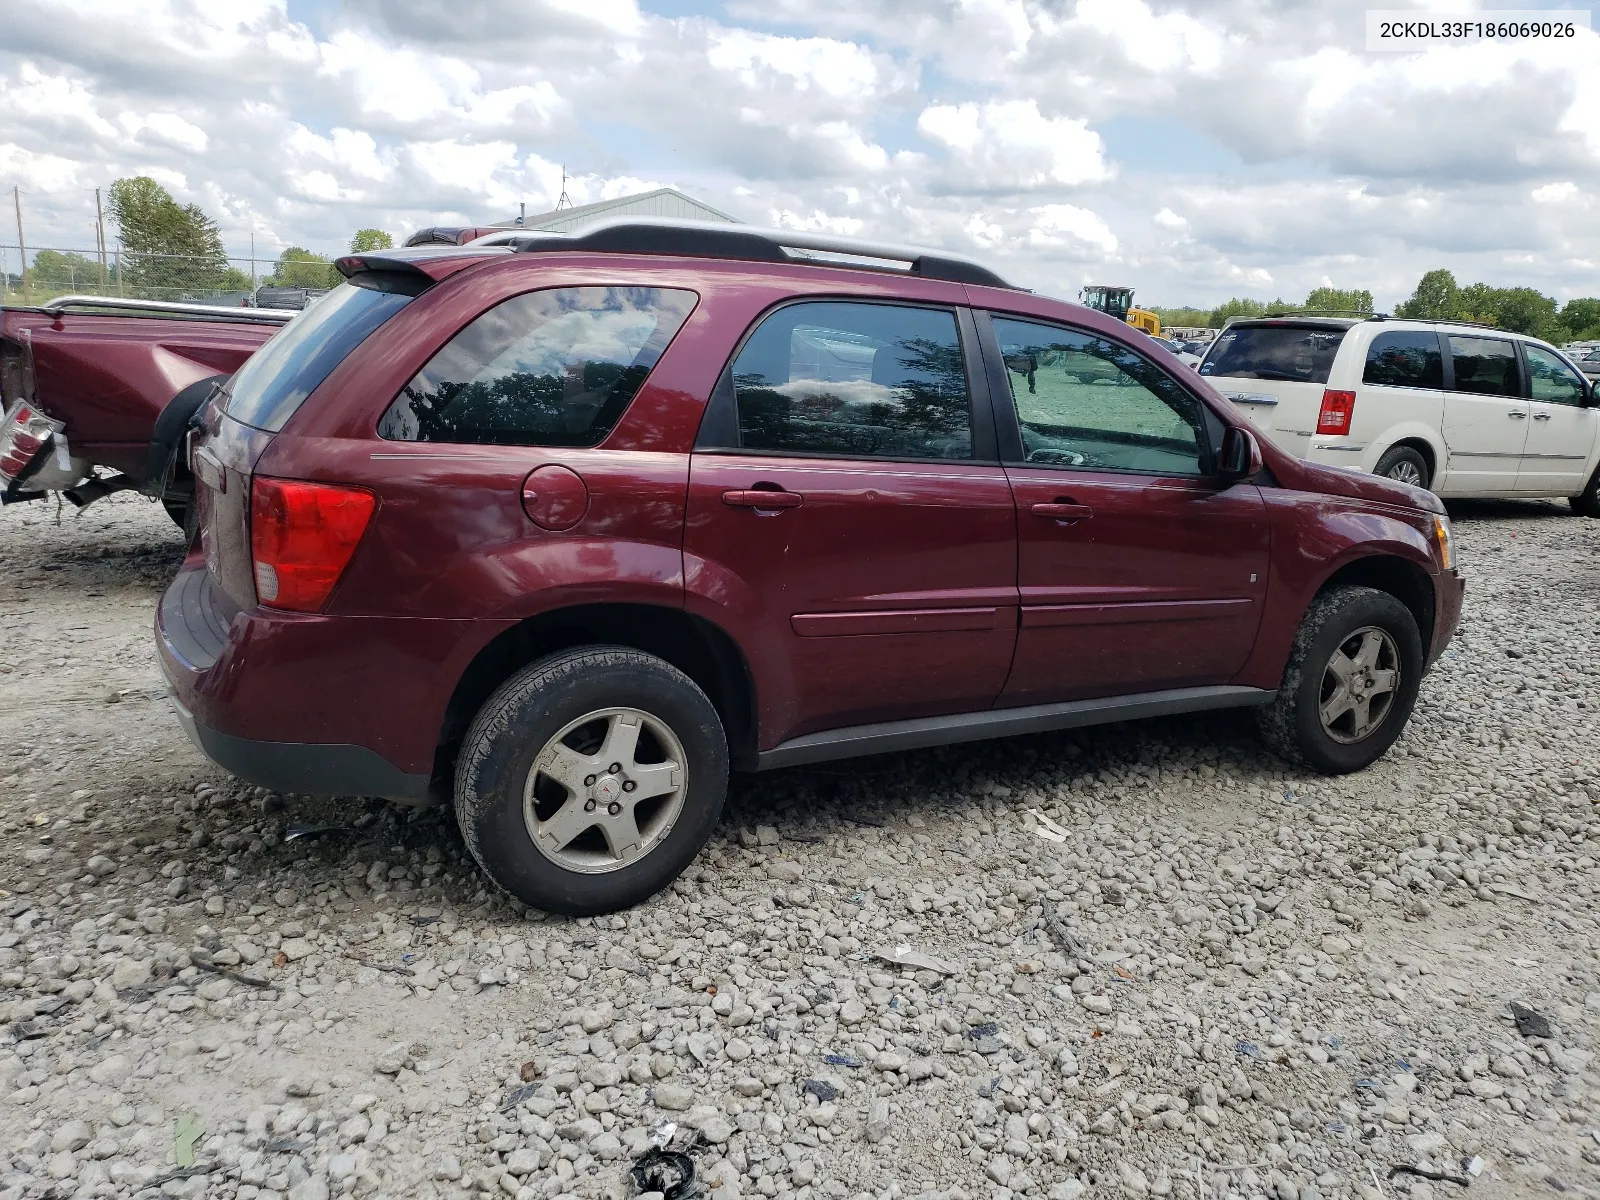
{"x": 605, "y": 790}
{"x": 1405, "y": 471}
{"x": 1359, "y": 685}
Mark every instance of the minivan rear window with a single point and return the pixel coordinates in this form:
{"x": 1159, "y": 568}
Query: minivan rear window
{"x": 1294, "y": 353}
{"x": 277, "y": 378}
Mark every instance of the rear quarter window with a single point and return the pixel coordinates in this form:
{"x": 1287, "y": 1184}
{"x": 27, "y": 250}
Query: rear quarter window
{"x": 1405, "y": 359}
{"x": 1292, "y": 353}
{"x": 275, "y": 381}
{"x": 549, "y": 368}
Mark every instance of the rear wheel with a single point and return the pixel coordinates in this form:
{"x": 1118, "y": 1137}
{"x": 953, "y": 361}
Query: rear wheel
{"x": 1404, "y": 465}
{"x": 1587, "y": 502}
{"x": 1350, "y": 683}
{"x": 591, "y": 779}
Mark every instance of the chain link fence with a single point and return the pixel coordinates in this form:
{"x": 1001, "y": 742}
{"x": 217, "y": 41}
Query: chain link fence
{"x": 56, "y": 271}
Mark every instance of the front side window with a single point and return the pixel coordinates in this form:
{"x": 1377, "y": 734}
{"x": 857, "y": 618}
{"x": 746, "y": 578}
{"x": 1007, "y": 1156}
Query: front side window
{"x": 1405, "y": 360}
{"x": 1550, "y": 380}
{"x": 1293, "y": 353}
{"x": 1485, "y": 366}
{"x": 1090, "y": 402}
{"x": 845, "y": 379}
{"x": 550, "y": 368}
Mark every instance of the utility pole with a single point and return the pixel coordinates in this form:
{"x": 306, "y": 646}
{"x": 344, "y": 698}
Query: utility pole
{"x": 100, "y": 235}
{"x": 16, "y": 198}
{"x": 252, "y": 266}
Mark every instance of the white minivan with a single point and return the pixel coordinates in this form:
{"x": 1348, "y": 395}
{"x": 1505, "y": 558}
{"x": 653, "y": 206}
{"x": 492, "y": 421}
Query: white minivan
{"x": 1463, "y": 410}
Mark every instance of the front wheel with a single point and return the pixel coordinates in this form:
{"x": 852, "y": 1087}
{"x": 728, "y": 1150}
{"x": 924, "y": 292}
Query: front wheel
{"x": 1350, "y": 683}
{"x": 591, "y": 779}
{"x": 1404, "y": 465}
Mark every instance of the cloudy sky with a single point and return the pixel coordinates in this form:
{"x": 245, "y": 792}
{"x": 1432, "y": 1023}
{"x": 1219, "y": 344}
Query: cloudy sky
{"x": 1194, "y": 150}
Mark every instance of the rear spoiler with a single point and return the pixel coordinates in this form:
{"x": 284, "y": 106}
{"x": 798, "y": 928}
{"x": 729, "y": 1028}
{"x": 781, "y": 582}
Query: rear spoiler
{"x": 413, "y": 270}
{"x": 168, "y": 308}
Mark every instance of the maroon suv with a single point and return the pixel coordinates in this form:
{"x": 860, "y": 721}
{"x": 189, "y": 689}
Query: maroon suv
{"x": 571, "y": 528}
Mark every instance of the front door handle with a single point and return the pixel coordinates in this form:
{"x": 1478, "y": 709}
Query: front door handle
{"x": 1063, "y": 511}
{"x": 1541, "y": 416}
{"x": 1516, "y": 414}
{"x": 761, "y": 498}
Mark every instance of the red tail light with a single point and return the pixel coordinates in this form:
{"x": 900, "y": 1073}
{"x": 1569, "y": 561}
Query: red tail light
{"x": 1337, "y": 409}
{"x": 301, "y": 537}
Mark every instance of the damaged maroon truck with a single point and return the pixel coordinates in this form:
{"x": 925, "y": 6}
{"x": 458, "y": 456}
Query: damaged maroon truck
{"x": 96, "y": 393}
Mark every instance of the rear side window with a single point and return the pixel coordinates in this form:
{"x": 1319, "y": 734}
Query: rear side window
{"x": 842, "y": 379}
{"x": 1405, "y": 360}
{"x": 1485, "y": 366}
{"x": 277, "y": 378}
{"x": 1295, "y": 353}
{"x": 549, "y": 368}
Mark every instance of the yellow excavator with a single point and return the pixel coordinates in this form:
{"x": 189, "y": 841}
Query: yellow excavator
{"x": 1118, "y": 302}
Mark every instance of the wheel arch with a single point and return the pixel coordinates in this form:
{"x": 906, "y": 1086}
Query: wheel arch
{"x": 1403, "y": 579}
{"x": 700, "y": 649}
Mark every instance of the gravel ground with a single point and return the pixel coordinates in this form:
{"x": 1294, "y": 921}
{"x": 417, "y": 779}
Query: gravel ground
{"x": 1145, "y": 959}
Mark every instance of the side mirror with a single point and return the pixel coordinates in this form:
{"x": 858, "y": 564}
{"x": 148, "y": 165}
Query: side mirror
{"x": 1240, "y": 457}
{"x": 1591, "y": 394}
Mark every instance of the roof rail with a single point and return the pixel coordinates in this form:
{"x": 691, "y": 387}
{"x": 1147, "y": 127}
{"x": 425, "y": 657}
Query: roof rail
{"x": 171, "y": 308}
{"x": 1463, "y": 324}
{"x": 717, "y": 239}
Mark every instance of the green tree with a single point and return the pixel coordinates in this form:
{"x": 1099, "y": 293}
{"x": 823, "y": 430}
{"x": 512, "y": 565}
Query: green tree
{"x": 1580, "y": 319}
{"x": 1526, "y": 310}
{"x": 300, "y": 268}
{"x": 1437, "y": 298}
{"x": 64, "y": 272}
{"x": 1340, "y": 299}
{"x": 370, "y": 239}
{"x": 169, "y": 249}
{"x": 1183, "y": 316}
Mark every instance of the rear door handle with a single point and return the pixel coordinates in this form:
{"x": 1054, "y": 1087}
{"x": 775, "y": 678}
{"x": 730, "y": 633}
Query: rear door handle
{"x": 1517, "y": 414}
{"x": 1063, "y": 511}
{"x": 760, "y": 498}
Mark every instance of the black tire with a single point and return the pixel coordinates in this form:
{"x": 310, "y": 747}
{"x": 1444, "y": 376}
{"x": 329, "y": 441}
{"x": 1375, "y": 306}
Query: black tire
{"x": 1292, "y": 724}
{"x": 1398, "y": 463}
{"x": 512, "y": 730}
{"x": 1587, "y": 502}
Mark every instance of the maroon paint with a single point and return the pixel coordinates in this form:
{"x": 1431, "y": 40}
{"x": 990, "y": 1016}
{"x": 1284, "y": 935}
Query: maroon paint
{"x": 109, "y": 377}
{"x": 860, "y": 591}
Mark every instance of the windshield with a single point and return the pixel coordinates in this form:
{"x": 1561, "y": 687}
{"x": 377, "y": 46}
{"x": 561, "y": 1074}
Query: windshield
{"x": 277, "y": 378}
{"x": 1295, "y": 353}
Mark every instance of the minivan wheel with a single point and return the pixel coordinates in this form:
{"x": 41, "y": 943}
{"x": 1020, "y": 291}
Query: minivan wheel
{"x": 1350, "y": 683}
{"x": 1587, "y": 502}
{"x": 591, "y": 779}
{"x": 1404, "y": 465}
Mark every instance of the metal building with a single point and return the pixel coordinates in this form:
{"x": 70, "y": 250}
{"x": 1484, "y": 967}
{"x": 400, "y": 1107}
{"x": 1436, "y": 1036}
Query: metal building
{"x": 663, "y": 202}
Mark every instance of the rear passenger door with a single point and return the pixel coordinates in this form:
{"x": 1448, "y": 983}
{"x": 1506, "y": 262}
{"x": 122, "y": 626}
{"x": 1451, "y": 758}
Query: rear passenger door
{"x": 848, "y": 520}
{"x": 1485, "y": 416}
{"x": 1561, "y": 430}
{"x": 1139, "y": 570}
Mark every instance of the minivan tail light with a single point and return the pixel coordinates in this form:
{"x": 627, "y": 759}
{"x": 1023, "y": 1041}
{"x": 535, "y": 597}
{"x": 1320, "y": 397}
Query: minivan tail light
{"x": 1337, "y": 409}
{"x": 301, "y": 537}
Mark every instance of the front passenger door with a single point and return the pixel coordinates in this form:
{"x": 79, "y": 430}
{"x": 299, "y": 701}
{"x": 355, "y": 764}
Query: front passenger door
{"x": 1139, "y": 570}
{"x": 1561, "y": 430}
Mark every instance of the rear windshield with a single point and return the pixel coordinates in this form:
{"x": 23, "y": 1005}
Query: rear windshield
{"x": 277, "y": 378}
{"x": 1296, "y": 353}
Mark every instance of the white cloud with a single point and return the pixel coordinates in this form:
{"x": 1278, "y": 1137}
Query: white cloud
{"x": 1009, "y": 145}
{"x": 1554, "y": 193}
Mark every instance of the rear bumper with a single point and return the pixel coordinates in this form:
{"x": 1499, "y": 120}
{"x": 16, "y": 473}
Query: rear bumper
{"x": 326, "y": 705}
{"x": 318, "y": 768}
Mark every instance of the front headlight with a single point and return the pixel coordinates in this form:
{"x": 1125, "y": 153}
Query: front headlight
{"x": 1444, "y": 542}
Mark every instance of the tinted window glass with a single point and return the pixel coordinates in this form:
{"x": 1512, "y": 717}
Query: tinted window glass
{"x": 1405, "y": 360}
{"x": 1485, "y": 366}
{"x": 550, "y": 368}
{"x": 1550, "y": 380}
{"x": 1085, "y": 401}
{"x": 277, "y": 378}
{"x": 854, "y": 380}
{"x": 1292, "y": 352}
